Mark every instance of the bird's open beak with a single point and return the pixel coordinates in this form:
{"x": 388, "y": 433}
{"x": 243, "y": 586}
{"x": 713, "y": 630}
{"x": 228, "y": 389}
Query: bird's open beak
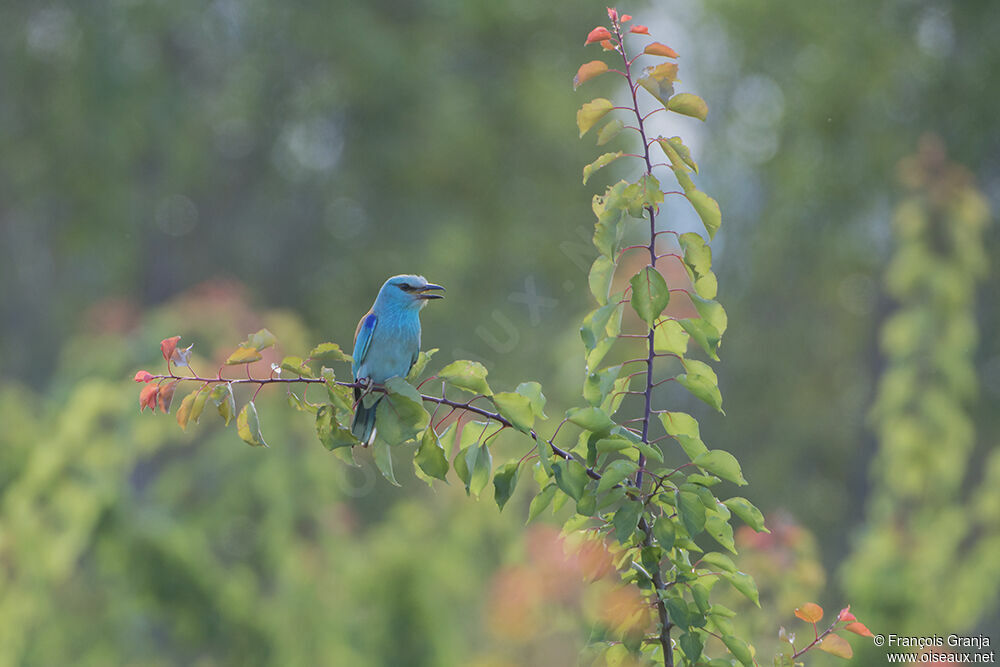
{"x": 428, "y": 291}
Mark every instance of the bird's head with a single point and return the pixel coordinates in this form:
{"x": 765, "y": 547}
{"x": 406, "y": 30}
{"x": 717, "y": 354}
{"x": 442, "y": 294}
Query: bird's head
{"x": 409, "y": 291}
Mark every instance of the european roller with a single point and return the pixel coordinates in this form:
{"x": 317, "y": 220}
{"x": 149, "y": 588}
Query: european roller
{"x": 387, "y": 342}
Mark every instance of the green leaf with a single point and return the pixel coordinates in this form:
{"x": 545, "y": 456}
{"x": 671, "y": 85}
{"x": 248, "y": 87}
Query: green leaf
{"x": 533, "y": 392}
{"x": 692, "y": 512}
{"x": 261, "y": 340}
{"x": 711, "y": 312}
{"x": 222, "y": 396}
{"x": 244, "y": 355}
{"x": 609, "y": 131}
{"x": 617, "y": 471}
{"x": 722, "y": 463}
{"x": 330, "y": 432}
{"x": 467, "y": 375}
{"x": 599, "y": 279}
{"x": 642, "y": 194}
{"x": 721, "y": 531}
{"x": 419, "y": 365}
{"x": 704, "y": 334}
{"x": 702, "y": 382}
{"x": 400, "y": 415}
{"x": 248, "y": 426}
{"x": 328, "y": 352}
{"x": 677, "y": 610}
{"x": 659, "y": 82}
{"x": 626, "y": 519}
{"x": 670, "y": 337}
{"x": 430, "y": 456}
{"x": 184, "y": 411}
{"x": 610, "y": 209}
{"x": 601, "y": 162}
{"x": 739, "y": 649}
{"x": 383, "y": 460}
{"x": 744, "y": 583}
{"x": 594, "y": 328}
{"x": 541, "y": 501}
{"x": 296, "y": 365}
{"x": 649, "y": 294}
{"x": 718, "y": 561}
{"x": 198, "y": 405}
{"x": 692, "y": 645}
{"x": 697, "y": 253}
{"x": 688, "y": 105}
{"x": 504, "y": 482}
{"x": 591, "y": 112}
{"x": 516, "y": 408}
{"x": 481, "y": 469}
{"x": 650, "y": 451}
{"x": 663, "y": 531}
{"x": 571, "y": 477}
{"x": 747, "y": 512}
{"x": 592, "y": 419}
{"x": 681, "y": 154}
{"x": 599, "y": 384}
{"x": 613, "y": 444}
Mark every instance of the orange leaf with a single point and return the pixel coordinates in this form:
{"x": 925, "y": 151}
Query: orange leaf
{"x": 167, "y": 346}
{"x": 608, "y": 45}
{"x": 846, "y": 615}
{"x": 639, "y": 30}
{"x": 836, "y": 645}
{"x": 626, "y": 18}
{"x": 147, "y": 397}
{"x": 165, "y": 396}
{"x": 612, "y": 13}
{"x": 143, "y": 376}
{"x": 597, "y": 34}
{"x": 589, "y": 71}
{"x": 858, "y": 628}
{"x": 810, "y": 612}
{"x": 657, "y": 49}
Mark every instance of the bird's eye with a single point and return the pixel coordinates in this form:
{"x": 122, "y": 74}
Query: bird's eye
{"x": 407, "y": 288}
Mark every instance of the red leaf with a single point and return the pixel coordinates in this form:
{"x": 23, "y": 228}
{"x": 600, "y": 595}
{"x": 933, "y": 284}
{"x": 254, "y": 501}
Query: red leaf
{"x": 597, "y": 34}
{"x": 165, "y": 396}
{"x": 143, "y": 376}
{"x": 147, "y": 397}
{"x": 639, "y": 30}
{"x": 608, "y": 45}
{"x": 657, "y": 49}
{"x": 626, "y": 18}
{"x": 168, "y": 345}
{"x": 858, "y": 628}
{"x": 589, "y": 71}
{"x": 846, "y": 615}
{"x": 612, "y": 13}
{"x": 810, "y": 612}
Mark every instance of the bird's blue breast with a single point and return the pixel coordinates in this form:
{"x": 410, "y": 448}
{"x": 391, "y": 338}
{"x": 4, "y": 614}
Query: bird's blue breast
{"x": 395, "y": 341}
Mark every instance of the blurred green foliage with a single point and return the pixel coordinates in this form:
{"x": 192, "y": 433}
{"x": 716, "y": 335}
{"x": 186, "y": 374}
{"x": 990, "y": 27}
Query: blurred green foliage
{"x": 308, "y": 150}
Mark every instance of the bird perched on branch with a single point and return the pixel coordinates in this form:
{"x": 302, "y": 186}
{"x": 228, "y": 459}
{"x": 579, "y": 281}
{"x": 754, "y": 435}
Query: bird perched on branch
{"x": 387, "y": 343}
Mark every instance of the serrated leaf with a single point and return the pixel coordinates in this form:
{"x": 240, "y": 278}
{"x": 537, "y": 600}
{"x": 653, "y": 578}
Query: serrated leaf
{"x": 571, "y": 477}
{"x": 744, "y": 583}
{"x": 383, "y": 460}
{"x": 541, "y": 501}
{"x": 533, "y": 392}
{"x": 649, "y": 294}
{"x": 599, "y": 278}
{"x": 223, "y": 398}
{"x": 504, "y": 482}
{"x": 702, "y": 382}
{"x": 516, "y": 408}
{"x": 663, "y": 531}
{"x": 739, "y": 649}
{"x": 722, "y": 463}
{"x": 836, "y": 645}
{"x": 601, "y": 162}
{"x": 692, "y": 512}
{"x": 430, "y": 456}
{"x": 626, "y": 519}
{"x": 244, "y": 355}
{"x": 467, "y": 375}
{"x": 331, "y": 434}
{"x": 670, "y": 337}
{"x": 591, "y": 112}
{"x": 609, "y": 131}
{"x": 328, "y": 352}
{"x": 747, "y": 512}
{"x": 588, "y": 71}
{"x": 248, "y": 426}
{"x": 688, "y": 105}
{"x": 592, "y": 419}
{"x": 615, "y": 473}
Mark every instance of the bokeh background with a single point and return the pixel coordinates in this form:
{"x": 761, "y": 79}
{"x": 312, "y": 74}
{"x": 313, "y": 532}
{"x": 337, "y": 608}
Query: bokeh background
{"x": 208, "y": 168}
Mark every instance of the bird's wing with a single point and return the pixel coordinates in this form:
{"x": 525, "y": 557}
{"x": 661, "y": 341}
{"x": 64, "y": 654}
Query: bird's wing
{"x": 363, "y": 338}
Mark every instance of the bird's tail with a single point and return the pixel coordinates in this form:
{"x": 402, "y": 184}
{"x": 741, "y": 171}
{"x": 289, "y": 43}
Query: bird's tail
{"x": 363, "y": 424}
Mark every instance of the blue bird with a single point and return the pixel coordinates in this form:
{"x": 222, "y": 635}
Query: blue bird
{"x": 387, "y": 342}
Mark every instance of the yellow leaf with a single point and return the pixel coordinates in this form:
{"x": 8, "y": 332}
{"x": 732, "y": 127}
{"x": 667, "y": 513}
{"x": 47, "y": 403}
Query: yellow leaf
{"x": 810, "y": 612}
{"x": 589, "y": 71}
{"x": 244, "y": 355}
{"x": 836, "y": 645}
{"x": 591, "y": 112}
